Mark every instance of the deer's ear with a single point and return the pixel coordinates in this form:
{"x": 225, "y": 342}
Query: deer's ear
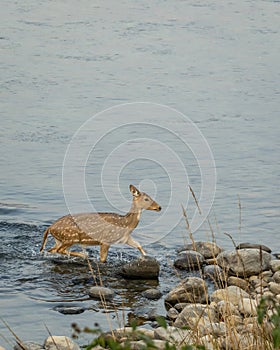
{"x": 134, "y": 191}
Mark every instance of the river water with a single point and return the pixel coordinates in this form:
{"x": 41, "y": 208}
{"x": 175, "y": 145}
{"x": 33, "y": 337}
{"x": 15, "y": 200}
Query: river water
{"x": 165, "y": 95}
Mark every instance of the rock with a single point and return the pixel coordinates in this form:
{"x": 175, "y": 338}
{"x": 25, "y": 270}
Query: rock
{"x": 135, "y": 345}
{"x": 189, "y": 260}
{"x": 247, "y": 307}
{"x": 189, "y": 290}
{"x": 244, "y": 262}
{"x": 55, "y": 342}
{"x": 239, "y": 282}
{"x": 29, "y": 345}
{"x": 217, "y": 329}
{"x": 230, "y": 294}
{"x": 152, "y": 294}
{"x": 275, "y": 265}
{"x": 172, "y": 314}
{"x": 194, "y": 313}
{"x": 101, "y": 293}
{"x": 214, "y": 272}
{"x": 180, "y": 306}
{"x": 174, "y": 335}
{"x": 276, "y": 277}
{"x": 69, "y": 310}
{"x": 274, "y": 287}
{"x": 207, "y": 249}
{"x": 144, "y": 267}
{"x": 225, "y": 309}
{"x": 253, "y": 246}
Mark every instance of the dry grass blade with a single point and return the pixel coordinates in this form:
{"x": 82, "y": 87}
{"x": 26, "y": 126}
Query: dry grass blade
{"x": 196, "y": 202}
{"x": 240, "y": 212}
{"x": 18, "y": 340}
{"x": 186, "y": 217}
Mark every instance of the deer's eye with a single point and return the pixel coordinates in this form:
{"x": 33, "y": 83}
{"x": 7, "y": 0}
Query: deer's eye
{"x": 146, "y": 199}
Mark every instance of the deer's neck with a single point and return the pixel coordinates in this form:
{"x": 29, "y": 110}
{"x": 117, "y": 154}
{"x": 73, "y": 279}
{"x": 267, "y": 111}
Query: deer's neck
{"x": 133, "y": 216}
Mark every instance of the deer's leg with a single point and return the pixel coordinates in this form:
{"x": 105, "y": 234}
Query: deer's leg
{"x": 104, "y": 252}
{"x": 63, "y": 250}
{"x": 135, "y": 244}
{"x": 55, "y": 247}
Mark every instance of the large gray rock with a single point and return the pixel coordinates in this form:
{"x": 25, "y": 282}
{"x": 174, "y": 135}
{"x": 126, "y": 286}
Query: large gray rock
{"x": 145, "y": 267}
{"x": 189, "y": 290}
{"x": 193, "y": 314}
{"x": 231, "y": 294}
{"x": 55, "y": 342}
{"x": 244, "y": 262}
{"x": 189, "y": 260}
{"x": 207, "y": 249}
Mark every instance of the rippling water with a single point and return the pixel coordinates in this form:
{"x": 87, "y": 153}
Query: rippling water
{"x": 62, "y": 63}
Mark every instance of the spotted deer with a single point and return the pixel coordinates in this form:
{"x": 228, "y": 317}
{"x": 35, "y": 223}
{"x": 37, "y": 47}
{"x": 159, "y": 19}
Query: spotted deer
{"x": 102, "y": 229}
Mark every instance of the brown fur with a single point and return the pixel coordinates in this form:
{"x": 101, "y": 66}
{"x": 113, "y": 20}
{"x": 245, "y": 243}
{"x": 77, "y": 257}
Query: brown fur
{"x": 102, "y": 229}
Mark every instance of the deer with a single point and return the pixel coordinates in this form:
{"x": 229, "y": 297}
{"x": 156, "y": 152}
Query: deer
{"x": 103, "y": 229}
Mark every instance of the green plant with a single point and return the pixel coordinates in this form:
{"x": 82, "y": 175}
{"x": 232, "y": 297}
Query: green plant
{"x": 269, "y": 313}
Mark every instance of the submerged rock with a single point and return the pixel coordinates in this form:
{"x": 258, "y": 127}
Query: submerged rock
{"x": 145, "y": 267}
{"x": 189, "y": 260}
{"x": 189, "y": 290}
{"x": 244, "y": 262}
{"x": 101, "y": 293}
{"x": 69, "y": 310}
{"x": 153, "y": 294}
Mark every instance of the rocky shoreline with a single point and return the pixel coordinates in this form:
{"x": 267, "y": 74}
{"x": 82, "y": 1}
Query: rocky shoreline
{"x": 238, "y": 313}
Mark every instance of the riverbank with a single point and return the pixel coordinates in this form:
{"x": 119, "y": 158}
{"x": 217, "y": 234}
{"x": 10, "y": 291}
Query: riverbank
{"x": 230, "y": 300}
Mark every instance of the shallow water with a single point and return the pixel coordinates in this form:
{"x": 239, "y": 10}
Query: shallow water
{"x": 61, "y": 64}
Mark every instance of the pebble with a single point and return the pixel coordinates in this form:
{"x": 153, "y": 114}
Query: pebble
{"x": 189, "y": 260}
{"x": 152, "y": 294}
{"x": 275, "y": 265}
{"x": 215, "y": 273}
{"x": 274, "y": 287}
{"x": 172, "y": 314}
{"x": 239, "y": 282}
{"x": 101, "y": 293}
{"x": 276, "y": 277}
{"x": 190, "y": 290}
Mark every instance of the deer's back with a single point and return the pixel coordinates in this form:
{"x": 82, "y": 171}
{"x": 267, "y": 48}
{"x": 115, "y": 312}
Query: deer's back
{"x": 92, "y": 228}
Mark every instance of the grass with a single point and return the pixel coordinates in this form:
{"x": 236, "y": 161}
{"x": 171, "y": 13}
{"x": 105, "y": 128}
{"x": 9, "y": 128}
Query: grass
{"x": 261, "y": 331}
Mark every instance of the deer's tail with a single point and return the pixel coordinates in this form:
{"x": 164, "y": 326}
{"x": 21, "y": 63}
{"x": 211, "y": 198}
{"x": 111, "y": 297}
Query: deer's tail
{"x": 45, "y": 239}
